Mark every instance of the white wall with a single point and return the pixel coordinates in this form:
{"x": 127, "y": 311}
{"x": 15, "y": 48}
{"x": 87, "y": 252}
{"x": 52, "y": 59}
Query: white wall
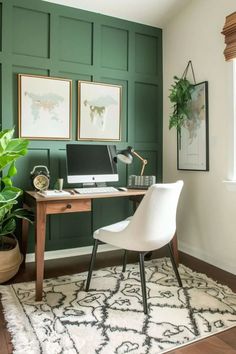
{"x": 207, "y": 210}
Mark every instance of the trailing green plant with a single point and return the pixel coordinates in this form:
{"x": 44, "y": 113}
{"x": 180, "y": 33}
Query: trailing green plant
{"x": 180, "y": 96}
{"x": 10, "y": 150}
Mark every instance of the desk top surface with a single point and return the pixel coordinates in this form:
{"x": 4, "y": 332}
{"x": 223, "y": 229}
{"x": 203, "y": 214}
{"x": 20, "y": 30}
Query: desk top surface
{"x": 75, "y": 196}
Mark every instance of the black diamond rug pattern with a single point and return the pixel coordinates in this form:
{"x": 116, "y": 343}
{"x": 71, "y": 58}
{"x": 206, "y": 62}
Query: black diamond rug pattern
{"x": 109, "y": 319}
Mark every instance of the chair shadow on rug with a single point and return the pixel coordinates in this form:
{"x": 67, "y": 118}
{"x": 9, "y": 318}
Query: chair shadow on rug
{"x": 151, "y": 227}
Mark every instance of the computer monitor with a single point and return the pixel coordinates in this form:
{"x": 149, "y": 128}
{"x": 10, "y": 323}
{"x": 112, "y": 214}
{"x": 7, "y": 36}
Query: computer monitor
{"x": 91, "y": 163}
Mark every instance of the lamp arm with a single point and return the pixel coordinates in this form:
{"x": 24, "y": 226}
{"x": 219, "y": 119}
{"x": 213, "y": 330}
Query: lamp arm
{"x": 144, "y": 161}
{"x": 144, "y": 164}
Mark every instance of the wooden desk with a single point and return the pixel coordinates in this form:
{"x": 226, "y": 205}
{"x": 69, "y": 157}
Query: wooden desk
{"x": 60, "y": 205}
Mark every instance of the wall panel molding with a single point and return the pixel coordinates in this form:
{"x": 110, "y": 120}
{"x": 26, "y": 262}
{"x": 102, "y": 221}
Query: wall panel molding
{"x": 30, "y": 32}
{"x": 41, "y": 38}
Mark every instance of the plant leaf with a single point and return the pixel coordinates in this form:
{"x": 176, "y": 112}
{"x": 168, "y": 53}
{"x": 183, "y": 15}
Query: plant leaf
{"x": 180, "y": 95}
{"x": 9, "y": 194}
{"x": 23, "y": 214}
{"x": 7, "y": 181}
{"x": 5, "y": 137}
{"x": 8, "y": 227}
{"x": 11, "y": 149}
{"x": 12, "y": 171}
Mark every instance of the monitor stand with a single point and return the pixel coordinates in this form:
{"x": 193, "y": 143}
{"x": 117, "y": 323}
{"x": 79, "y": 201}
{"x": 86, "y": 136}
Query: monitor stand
{"x": 91, "y": 184}
{"x": 101, "y": 184}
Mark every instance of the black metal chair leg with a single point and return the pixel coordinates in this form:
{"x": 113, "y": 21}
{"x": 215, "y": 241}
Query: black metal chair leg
{"x": 91, "y": 265}
{"x": 124, "y": 260}
{"x": 143, "y": 282}
{"x": 174, "y": 265}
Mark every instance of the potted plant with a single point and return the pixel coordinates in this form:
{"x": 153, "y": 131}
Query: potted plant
{"x": 180, "y": 96}
{"x": 10, "y": 150}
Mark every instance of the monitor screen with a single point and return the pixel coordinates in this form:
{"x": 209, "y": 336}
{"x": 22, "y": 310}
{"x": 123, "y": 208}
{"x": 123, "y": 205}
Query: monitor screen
{"x": 91, "y": 163}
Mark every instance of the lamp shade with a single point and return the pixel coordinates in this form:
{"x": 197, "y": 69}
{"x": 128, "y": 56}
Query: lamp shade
{"x": 229, "y": 31}
{"x": 125, "y": 155}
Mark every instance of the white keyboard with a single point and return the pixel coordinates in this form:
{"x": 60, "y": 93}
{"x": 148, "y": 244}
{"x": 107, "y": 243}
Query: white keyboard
{"x": 94, "y": 190}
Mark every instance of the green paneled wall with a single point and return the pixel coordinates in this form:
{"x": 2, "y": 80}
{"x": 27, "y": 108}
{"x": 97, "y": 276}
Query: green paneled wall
{"x": 41, "y": 38}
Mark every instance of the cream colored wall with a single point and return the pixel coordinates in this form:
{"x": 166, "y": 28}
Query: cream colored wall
{"x": 207, "y": 211}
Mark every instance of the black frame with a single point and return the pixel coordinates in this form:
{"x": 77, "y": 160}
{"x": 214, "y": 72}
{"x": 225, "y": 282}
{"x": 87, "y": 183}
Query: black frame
{"x": 180, "y": 136}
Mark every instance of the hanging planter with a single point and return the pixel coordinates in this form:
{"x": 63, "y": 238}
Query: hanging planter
{"x": 180, "y": 96}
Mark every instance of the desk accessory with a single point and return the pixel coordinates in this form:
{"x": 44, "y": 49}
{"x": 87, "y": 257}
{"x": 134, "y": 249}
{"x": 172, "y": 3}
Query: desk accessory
{"x": 122, "y": 189}
{"x": 140, "y": 182}
{"x": 40, "y": 177}
{"x": 60, "y": 184}
{"x": 54, "y": 193}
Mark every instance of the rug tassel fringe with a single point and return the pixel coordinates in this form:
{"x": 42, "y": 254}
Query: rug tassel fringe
{"x": 23, "y": 341}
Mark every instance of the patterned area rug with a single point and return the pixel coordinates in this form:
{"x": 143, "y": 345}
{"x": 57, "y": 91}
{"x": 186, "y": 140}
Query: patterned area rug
{"x": 109, "y": 319}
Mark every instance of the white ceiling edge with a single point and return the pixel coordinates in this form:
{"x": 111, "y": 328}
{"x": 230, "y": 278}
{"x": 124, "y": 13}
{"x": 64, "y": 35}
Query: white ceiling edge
{"x": 156, "y": 13}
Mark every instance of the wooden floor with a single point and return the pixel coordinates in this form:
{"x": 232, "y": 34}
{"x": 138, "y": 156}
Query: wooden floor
{"x": 222, "y": 343}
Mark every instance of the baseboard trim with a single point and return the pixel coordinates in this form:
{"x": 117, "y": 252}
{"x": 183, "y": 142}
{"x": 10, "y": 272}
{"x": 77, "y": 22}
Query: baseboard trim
{"x": 70, "y": 252}
{"x": 81, "y": 251}
{"x": 196, "y": 253}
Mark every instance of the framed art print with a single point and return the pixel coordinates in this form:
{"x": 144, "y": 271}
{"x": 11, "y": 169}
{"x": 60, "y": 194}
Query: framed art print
{"x": 44, "y": 107}
{"x": 193, "y": 140}
{"x": 99, "y": 111}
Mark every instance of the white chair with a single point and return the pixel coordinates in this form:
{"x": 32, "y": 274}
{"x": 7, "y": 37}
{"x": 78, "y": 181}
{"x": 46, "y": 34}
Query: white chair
{"x": 152, "y": 226}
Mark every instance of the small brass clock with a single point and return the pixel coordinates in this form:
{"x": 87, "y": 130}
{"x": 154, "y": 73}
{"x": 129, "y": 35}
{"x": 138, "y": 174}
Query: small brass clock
{"x": 40, "y": 178}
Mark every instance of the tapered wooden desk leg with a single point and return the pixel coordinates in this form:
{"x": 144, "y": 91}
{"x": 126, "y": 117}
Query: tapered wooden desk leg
{"x": 24, "y": 238}
{"x": 40, "y": 234}
{"x": 175, "y": 249}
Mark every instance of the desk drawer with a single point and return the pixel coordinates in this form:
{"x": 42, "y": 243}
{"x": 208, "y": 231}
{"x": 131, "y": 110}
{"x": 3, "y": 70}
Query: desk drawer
{"x": 72, "y": 206}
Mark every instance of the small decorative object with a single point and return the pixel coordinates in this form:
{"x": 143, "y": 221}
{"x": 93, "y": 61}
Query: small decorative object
{"x": 99, "y": 111}
{"x": 180, "y": 96}
{"x": 10, "y": 150}
{"x": 60, "y": 184}
{"x": 40, "y": 178}
{"x": 140, "y": 182}
{"x": 193, "y": 150}
{"x": 44, "y": 107}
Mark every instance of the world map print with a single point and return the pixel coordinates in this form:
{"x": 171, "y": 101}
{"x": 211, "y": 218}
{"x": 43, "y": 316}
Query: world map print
{"x": 193, "y": 140}
{"x": 48, "y": 102}
{"x": 196, "y": 107}
{"x": 98, "y": 110}
{"x": 45, "y": 107}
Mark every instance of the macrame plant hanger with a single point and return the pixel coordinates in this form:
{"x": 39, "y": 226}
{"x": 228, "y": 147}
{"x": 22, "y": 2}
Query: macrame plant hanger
{"x": 185, "y": 73}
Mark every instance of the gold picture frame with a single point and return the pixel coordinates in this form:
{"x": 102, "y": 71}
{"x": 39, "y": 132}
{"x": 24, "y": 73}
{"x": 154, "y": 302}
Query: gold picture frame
{"x": 99, "y": 111}
{"x": 44, "y": 107}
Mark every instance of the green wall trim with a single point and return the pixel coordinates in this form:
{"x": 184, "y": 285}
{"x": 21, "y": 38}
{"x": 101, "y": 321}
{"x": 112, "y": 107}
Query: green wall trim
{"x": 42, "y": 38}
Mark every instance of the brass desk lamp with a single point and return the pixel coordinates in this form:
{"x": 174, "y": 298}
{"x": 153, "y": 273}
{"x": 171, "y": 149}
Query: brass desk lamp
{"x": 126, "y": 156}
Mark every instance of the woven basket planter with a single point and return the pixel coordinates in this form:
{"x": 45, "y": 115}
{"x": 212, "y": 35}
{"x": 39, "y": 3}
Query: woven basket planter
{"x": 10, "y": 260}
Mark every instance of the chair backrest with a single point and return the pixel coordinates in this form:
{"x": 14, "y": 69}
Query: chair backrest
{"x": 155, "y": 218}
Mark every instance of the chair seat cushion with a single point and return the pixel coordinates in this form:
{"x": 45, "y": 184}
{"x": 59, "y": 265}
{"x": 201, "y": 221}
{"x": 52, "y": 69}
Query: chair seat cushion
{"x": 117, "y": 227}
